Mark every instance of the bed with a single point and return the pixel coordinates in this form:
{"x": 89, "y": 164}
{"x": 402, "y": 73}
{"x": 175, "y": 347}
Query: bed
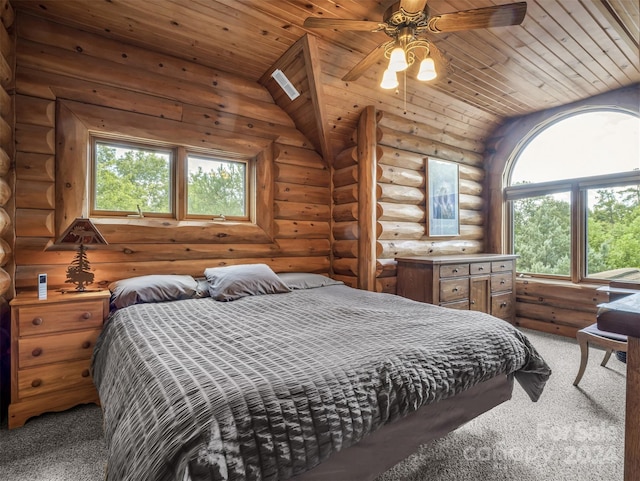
{"x": 311, "y": 380}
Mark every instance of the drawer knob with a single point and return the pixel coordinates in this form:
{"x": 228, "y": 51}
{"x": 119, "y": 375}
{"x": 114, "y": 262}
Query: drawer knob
{"x": 85, "y": 373}
{"x": 37, "y": 321}
{"x": 502, "y": 266}
{"x": 86, "y": 344}
{"x": 473, "y": 302}
{"x": 502, "y": 282}
{"x": 480, "y": 268}
{"x": 36, "y": 352}
{"x": 36, "y": 383}
{"x": 455, "y": 271}
{"x": 455, "y": 289}
{"x": 503, "y": 304}
{"x": 86, "y": 315}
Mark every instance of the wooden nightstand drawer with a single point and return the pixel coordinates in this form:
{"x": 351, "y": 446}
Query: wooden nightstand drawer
{"x": 454, "y": 289}
{"x": 454, "y": 270}
{"x": 54, "y": 377}
{"x": 37, "y": 350}
{"x": 502, "y": 282}
{"x": 48, "y": 318}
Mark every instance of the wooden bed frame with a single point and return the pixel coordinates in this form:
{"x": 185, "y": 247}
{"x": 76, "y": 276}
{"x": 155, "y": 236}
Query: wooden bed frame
{"x": 395, "y": 441}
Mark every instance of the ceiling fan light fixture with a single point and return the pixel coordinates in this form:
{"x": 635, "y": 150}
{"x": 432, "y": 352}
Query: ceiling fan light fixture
{"x": 397, "y": 60}
{"x": 389, "y": 80}
{"x": 427, "y": 70}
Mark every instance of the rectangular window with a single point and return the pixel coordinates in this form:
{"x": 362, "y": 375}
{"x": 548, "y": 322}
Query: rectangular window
{"x": 130, "y": 178}
{"x": 216, "y": 187}
{"x": 542, "y": 233}
{"x": 613, "y": 232}
{"x": 583, "y": 229}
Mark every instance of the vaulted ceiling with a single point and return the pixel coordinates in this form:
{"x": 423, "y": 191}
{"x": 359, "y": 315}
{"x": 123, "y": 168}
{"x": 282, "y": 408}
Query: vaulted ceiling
{"x": 564, "y": 51}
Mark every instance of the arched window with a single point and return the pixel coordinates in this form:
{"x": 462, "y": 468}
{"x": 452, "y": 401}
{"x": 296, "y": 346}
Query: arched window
{"x": 574, "y": 198}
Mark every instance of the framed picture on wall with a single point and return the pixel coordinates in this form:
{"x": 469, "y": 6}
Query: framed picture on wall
{"x": 442, "y": 198}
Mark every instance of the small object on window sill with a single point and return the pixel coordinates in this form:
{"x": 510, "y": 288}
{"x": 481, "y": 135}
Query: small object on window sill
{"x": 220, "y": 217}
{"x": 139, "y": 215}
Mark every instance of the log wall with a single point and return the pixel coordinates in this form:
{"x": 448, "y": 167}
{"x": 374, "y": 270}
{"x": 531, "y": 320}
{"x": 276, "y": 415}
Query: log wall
{"x": 397, "y": 160}
{"x": 7, "y": 151}
{"x": 7, "y": 200}
{"x": 94, "y": 83}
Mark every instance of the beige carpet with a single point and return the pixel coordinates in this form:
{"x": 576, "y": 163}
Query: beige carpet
{"x": 573, "y": 434}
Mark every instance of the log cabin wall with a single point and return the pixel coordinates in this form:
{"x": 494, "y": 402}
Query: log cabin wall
{"x": 397, "y": 161}
{"x": 95, "y": 83}
{"x": 7, "y": 201}
{"x": 542, "y": 304}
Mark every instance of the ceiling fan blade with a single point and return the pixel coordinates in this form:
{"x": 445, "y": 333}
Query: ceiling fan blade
{"x": 342, "y": 24}
{"x": 496, "y": 16}
{"x": 413, "y": 6}
{"x": 374, "y": 56}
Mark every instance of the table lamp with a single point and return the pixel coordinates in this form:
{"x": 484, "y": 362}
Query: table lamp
{"x": 81, "y": 232}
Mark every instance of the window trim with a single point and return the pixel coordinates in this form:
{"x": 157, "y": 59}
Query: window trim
{"x": 178, "y": 179}
{"x": 74, "y": 123}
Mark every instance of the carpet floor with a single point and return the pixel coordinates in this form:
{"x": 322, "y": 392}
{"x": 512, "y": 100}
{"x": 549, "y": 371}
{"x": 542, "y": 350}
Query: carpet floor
{"x": 570, "y": 434}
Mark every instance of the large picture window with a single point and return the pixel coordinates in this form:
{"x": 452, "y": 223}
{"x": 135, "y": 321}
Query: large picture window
{"x": 574, "y": 199}
{"x": 130, "y": 178}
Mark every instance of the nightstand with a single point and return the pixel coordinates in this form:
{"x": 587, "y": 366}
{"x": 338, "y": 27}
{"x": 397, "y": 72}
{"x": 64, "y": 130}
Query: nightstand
{"x": 52, "y": 342}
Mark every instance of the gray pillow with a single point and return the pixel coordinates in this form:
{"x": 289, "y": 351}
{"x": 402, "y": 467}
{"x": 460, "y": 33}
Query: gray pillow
{"x": 305, "y": 280}
{"x": 233, "y": 282}
{"x": 152, "y": 288}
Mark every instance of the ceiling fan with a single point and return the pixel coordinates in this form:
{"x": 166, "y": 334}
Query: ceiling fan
{"x": 407, "y": 22}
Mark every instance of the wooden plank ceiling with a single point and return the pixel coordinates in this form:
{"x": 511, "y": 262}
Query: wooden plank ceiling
{"x": 564, "y": 51}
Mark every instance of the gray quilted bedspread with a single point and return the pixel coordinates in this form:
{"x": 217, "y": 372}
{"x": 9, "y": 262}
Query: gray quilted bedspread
{"x": 266, "y": 387}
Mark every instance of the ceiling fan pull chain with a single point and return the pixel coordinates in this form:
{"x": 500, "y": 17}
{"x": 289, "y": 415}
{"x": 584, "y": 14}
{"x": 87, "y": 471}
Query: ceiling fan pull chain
{"x": 405, "y": 92}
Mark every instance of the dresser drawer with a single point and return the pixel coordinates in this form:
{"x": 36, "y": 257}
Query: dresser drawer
{"x": 53, "y": 377}
{"x": 501, "y": 266}
{"x": 461, "y": 305}
{"x": 501, "y": 282}
{"x": 35, "y": 320}
{"x": 454, "y": 289}
{"x": 36, "y": 350}
{"x": 480, "y": 268}
{"x": 502, "y": 306}
{"x": 454, "y": 270}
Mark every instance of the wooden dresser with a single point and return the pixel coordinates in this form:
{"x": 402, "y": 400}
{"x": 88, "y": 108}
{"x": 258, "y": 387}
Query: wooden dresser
{"x": 478, "y": 282}
{"x": 52, "y": 342}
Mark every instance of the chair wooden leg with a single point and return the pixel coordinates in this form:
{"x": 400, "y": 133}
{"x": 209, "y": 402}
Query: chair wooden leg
{"x": 584, "y": 357}
{"x": 607, "y": 355}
